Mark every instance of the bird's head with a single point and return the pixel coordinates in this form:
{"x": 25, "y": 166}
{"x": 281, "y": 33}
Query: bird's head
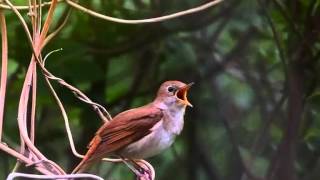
{"x": 174, "y": 93}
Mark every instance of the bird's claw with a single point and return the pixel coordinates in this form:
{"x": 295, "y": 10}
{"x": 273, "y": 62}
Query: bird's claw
{"x": 144, "y": 174}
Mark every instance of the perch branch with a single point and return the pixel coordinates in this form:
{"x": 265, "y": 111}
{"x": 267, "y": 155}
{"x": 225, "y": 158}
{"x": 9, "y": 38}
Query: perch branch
{"x": 69, "y": 176}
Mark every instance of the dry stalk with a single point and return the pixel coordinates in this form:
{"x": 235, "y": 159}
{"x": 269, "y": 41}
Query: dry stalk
{"x": 68, "y": 176}
{"x": 4, "y": 57}
{"x": 4, "y": 6}
{"x": 143, "y": 21}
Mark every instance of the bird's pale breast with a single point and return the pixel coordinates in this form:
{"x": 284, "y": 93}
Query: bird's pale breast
{"x": 161, "y": 137}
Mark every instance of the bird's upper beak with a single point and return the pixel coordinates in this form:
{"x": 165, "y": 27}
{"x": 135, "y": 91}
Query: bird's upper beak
{"x": 181, "y": 94}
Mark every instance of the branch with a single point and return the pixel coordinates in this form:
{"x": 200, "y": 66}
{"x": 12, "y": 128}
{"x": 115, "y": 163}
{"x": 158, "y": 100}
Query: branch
{"x": 143, "y": 21}
{"x": 69, "y": 176}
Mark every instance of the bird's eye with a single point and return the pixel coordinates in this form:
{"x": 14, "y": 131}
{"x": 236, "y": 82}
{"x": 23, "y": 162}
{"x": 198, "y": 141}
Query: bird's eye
{"x": 171, "y": 89}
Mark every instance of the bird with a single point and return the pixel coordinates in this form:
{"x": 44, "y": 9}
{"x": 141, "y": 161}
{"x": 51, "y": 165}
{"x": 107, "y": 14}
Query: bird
{"x": 141, "y": 132}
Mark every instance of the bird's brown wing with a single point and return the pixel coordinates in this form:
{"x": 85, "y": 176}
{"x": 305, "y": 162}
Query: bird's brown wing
{"x": 124, "y": 129}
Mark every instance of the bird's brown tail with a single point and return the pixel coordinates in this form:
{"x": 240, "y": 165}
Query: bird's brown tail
{"x": 90, "y": 157}
{"x": 82, "y": 166}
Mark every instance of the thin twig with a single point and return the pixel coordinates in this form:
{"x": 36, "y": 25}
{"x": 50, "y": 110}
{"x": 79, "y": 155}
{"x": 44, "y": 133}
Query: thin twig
{"x": 33, "y": 104}
{"x": 54, "y": 33}
{"x": 23, "y": 103}
{"x": 21, "y": 157}
{"x": 69, "y": 176}
{"x": 65, "y": 116}
{"x": 4, "y": 64}
{"x": 143, "y": 21}
{"x": 47, "y": 23}
{"x": 6, "y": 7}
{"x": 40, "y": 15}
{"x": 33, "y": 13}
{"x": 24, "y": 24}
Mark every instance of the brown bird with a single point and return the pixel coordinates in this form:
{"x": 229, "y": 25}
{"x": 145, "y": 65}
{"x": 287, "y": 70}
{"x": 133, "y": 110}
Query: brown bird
{"x": 141, "y": 132}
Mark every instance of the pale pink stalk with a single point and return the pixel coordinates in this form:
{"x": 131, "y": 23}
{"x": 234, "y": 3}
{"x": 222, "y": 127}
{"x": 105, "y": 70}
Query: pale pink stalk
{"x": 3, "y": 68}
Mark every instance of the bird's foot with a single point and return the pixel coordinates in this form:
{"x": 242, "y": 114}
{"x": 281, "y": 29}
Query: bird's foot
{"x": 144, "y": 174}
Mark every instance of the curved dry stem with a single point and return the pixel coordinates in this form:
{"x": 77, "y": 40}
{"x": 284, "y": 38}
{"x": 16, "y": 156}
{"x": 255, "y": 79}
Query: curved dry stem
{"x": 24, "y": 24}
{"x": 69, "y": 176}
{"x": 54, "y": 33}
{"x": 33, "y": 13}
{"x": 33, "y": 105}
{"x": 40, "y": 15}
{"x": 51, "y": 52}
{"x": 23, "y": 103}
{"x": 143, "y": 21}
{"x": 21, "y": 157}
{"x": 65, "y": 116}
{"x": 6, "y": 7}
{"x": 102, "y": 112}
{"x": 47, "y": 23}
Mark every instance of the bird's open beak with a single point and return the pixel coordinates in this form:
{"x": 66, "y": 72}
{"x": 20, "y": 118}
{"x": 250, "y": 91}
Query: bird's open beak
{"x": 182, "y": 94}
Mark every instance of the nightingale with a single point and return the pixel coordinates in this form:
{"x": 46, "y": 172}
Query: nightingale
{"x": 141, "y": 132}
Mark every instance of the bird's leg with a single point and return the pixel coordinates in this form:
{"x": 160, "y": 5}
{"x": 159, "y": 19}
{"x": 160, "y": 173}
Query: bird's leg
{"x": 137, "y": 169}
{"x": 145, "y": 173}
{"x": 131, "y": 167}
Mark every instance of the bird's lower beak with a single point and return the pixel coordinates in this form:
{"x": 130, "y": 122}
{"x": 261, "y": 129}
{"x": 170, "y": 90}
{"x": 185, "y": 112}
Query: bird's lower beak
{"x": 182, "y": 94}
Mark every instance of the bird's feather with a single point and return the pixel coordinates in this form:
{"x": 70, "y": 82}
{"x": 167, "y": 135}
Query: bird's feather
{"x": 125, "y": 128}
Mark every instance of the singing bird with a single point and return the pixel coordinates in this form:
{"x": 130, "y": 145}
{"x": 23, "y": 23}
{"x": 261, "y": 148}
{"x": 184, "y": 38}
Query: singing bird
{"x": 141, "y": 132}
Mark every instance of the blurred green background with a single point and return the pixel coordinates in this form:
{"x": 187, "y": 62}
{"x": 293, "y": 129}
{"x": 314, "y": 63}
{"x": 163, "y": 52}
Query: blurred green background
{"x": 256, "y": 94}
